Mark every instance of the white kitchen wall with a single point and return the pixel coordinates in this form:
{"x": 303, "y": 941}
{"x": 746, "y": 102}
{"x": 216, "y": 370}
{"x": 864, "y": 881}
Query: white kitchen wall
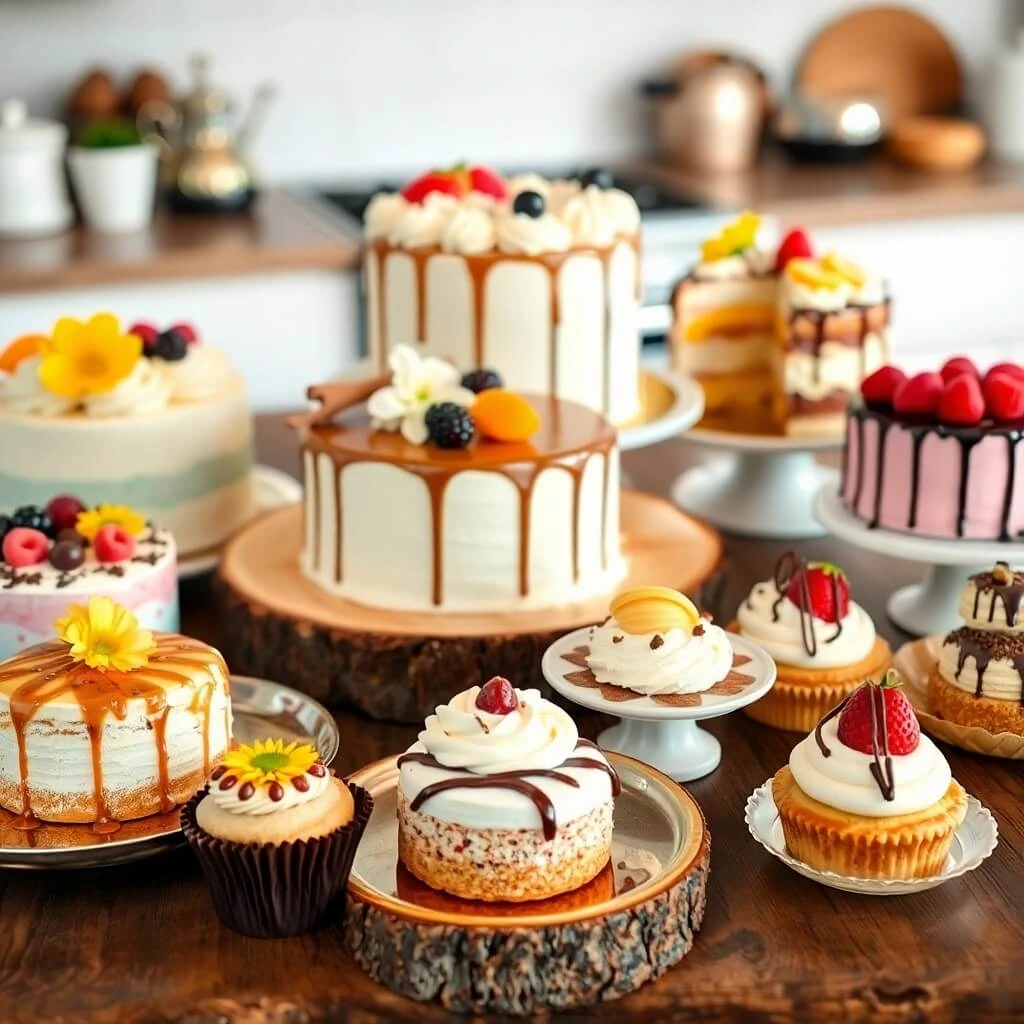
{"x": 371, "y": 86}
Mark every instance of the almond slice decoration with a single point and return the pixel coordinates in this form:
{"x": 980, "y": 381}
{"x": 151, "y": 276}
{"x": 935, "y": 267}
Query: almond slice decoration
{"x": 335, "y": 397}
{"x": 654, "y": 610}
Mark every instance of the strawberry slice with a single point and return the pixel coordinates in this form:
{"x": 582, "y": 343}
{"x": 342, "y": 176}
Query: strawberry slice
{"x": 1004, "y": 395}
{"x": 827, "y": 589}
{"x": 488, "y": 181}
{"x": 796, "y": 245}
{"x": 855, "y": 720}
{"x": 453, "y": 181}
{"x": 879, "y": 387}
{"x": 956, "y": 366}
{"x": 918, "y": 395}
{"x": 961, "y": 403}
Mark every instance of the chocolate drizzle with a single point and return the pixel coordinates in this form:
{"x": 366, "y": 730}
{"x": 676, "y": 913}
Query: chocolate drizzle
{"x": 881, "y": 767}
{"x": 982, "y": 647}
{"x": 789, "y": 568}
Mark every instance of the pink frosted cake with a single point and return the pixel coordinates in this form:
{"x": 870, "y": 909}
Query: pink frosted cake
{"x": 938, "y": 454}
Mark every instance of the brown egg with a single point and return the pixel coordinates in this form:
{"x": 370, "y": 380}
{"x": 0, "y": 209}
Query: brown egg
{"x": 147, "y": 86}
{"x": 94, "y": 96}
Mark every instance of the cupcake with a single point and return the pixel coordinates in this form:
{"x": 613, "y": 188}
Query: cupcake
{"x": 275, "y": 834}
{"x": 824, "y": 644}
{"x": 500, "y": 799}
{"x": 979, "y": 677}
{"x": 866, "y": 795}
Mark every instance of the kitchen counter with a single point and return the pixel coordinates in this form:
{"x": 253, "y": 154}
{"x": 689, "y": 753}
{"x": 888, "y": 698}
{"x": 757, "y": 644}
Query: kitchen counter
{"x": 282, "y": 232}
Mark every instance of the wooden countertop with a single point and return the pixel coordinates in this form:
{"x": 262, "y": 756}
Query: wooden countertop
{"x": 281, "y": 232}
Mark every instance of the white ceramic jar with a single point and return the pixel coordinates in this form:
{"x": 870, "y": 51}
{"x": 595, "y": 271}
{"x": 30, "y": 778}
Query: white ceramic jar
{"x": 115, "y": 187}
{"x": 33, "y": 192}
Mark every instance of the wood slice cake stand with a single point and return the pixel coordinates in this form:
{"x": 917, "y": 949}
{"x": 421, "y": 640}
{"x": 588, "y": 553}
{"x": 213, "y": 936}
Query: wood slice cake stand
{"x": 629, "y": 925}
{"x": 401, "y": 665}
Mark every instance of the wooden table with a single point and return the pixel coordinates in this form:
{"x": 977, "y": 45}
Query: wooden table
{"x": 140, "y": 943}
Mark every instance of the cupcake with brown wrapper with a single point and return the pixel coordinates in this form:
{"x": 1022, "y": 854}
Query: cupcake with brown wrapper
{"x": 275, "y": 834}
{"x": 823, "y": 643}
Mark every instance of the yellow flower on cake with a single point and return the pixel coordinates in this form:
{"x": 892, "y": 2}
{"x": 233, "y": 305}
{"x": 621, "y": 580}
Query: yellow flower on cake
{"x": 105, "y": 635}
{"x": 92, "y": 520}
{"x": 87, "y": 358}
{"x": 734, "y": 238}
{"x": 269, "y": 761}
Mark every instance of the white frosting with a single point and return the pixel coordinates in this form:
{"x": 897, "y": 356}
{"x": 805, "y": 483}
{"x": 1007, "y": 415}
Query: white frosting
{"x": 260, "y": 803}
{"x": 991, "y": 611}
{"x": 538, "y": 734}
{"x": 683, "y": 663}
{"x": 22, "y": 393}
{"x": 471, "y": 230}
{"x": 385, "y": 212}
{"x": 750, "y": 263}
{"x": 872, "y": 292}
{"x": 843, "y": 779}
{"x": 424, "y": 224}
{"x": 1001, "y": 681}
{"x": 835, "y": 367}
{"x": 146, "y": 390}
{"x": 621, "y": 208}
{"x": 202, "y": 374}
{"x": 823, "y": 300}
{"x": 779, "y": 632}
{"x": 518, "y": 233}
{"x": 588, "y": 217}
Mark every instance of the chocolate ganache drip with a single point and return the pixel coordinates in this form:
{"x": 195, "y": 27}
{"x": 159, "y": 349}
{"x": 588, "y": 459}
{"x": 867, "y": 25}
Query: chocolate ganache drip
{"x": 881, "y": 760}
{"x": 792, "y": 568}
{"x": 1000, "y": 584}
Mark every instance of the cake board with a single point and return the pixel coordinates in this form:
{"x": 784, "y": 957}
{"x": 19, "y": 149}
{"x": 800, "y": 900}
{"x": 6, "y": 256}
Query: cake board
{"x": 931, "y": 606}
{"x": 400, "y": 665}
{"x": 758, "y": 485}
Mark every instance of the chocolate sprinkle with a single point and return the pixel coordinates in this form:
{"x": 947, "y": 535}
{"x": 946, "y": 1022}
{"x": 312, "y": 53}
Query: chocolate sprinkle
{"x": 657, "y": 641}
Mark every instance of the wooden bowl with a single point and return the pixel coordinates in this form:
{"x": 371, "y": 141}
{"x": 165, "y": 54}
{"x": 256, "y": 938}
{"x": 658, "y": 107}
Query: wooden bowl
{"x": 937, "y": 143}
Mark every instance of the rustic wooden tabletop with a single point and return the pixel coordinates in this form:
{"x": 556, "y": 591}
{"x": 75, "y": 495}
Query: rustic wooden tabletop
{"x": 140, "y": 944}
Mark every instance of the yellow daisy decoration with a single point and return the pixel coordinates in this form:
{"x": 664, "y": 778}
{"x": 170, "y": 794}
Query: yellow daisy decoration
{"x": 105, "y": 635}
{"x": 734, "y": 238}
{"x": 92, "y": 520}
{"x": 269, "y": 761}
{"x": 88, "y": 358}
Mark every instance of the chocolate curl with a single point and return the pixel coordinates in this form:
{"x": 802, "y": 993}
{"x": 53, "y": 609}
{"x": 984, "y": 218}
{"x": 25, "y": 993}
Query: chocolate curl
{"x": 334, "y": 398}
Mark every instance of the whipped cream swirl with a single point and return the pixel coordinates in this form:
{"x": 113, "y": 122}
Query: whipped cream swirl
{"x": 775, "y": 625}
{"x": 146, "y": 390}
{"x": 424, "y": 224}
{"x": 538, "y": 734}
{"x": 984, "y": 607}
{"x": 260, "y": 803}
{"x": 588, "y": 217}
{"x": 750, "y": 263}
{"x": 843, "y": 779}
{"x": 471, "y": 230}
{"x": 23, "y": 394}
{"x": 203, "y": 373}
{"x": 385, "y": 212}
{"x": 518, "y": 233}
{"x": 958, "y": 666}
{"x": 675, "y": 661}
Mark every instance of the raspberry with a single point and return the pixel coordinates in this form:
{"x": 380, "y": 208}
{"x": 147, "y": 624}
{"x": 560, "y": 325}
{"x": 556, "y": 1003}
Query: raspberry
{"x": 497, "y": 697}
{"x": 23, "y": 547}
{"x": 113, "y": 544}
{"x": 481, "y": 380}
{"x": 449, "y": 425}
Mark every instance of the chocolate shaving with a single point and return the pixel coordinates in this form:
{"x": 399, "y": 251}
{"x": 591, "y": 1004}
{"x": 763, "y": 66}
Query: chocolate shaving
{"x": 617, "y": 639}
{"x": 698, "y": 630}
{"x": 657, "y": 641}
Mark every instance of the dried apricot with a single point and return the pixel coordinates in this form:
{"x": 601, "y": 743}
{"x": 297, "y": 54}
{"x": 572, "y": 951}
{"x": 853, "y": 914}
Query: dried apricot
{"x": 504, "y": 415}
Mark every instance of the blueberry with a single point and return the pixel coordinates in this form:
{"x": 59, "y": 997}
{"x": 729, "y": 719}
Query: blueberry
{"x": 33, "y": 518}
{"x": 171, "y": 346}
{"x": 449, "y": 425}
{"x": 599, "y": 176}
{"x": 481, "y": 380}
{"x": 530, "y": 203}
{"x": 67, "y": 555}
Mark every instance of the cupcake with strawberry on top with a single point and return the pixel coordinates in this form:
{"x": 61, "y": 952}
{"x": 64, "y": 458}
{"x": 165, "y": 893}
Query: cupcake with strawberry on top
{"x": 866, "y": 795}
{"x": 823, "y": 643}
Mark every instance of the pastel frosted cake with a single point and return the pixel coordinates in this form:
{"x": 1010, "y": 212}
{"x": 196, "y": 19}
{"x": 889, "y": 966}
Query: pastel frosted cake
{"x": 50, "y": 557}
{"x": 779, "y": 340}
{"x": 938, "y": 454}
{"x": 109, "y": 722}
{"x": 536, "y": 279}
{"x": 436, "y": 498}
{"x": 500, "y": 799}
{"x": 155, "y": 420}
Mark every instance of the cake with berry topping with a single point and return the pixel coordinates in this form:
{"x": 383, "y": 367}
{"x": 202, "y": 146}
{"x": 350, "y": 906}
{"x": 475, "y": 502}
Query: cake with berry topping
{"x": 109, "y": 722}
{"x": 538, "y": 279}
{"x": 979, "y": 677}
{"x": 779, "y": 340}
{"x": 500, "y": 799}
{"x": 938, "y": 454}
{"x": 866, "y": 795}
{"x": 432, "y": 497}
{"x": 155, "y": 420}
{"x": 823, "y": 643}
{"x": 52, "y": 556}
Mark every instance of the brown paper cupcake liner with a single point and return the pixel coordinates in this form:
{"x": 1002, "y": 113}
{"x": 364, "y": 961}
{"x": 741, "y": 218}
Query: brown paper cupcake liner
{"x": 275, "y": 890}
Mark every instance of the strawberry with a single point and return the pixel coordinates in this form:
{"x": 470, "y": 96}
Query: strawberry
{"x": 454, "y": 181}
{"x": 488, "y": 181}
{"x": 961, "y": 403}
{"x": 497, "y": 697}
{"x": 796, "y": 245}
{"x": 954, "y": 367}
{"x": 1013, "y": 369}
{"x": 918, "y": 395}
{"x": 880, "y": 386}
{"x": 901, "y": 723}
{"x": 827, "y": 588}
{"x": 1004, "y": 395}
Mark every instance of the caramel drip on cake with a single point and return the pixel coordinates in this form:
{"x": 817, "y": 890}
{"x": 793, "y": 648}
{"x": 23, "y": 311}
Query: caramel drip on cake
{"x": 48, "y": 673}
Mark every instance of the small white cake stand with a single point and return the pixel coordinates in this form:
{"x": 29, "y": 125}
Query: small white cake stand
{"x": 761, "y": 486}
{"x": 921, "y": 608}
{"x": 670, "y": 403}
{"x": 666, "y": 737}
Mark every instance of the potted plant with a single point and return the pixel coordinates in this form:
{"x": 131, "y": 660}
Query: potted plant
{"x": 113, "y": 172}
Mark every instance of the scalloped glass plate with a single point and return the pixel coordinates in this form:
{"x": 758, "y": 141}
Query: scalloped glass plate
{"x": 974, "y": 840}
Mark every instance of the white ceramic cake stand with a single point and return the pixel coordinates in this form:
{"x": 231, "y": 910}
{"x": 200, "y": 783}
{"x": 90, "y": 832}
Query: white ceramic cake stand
{"x": 921, "y": 608}
{"x": 760, "y": 485}
{"x": 670, "y": 403}
{"x": 668, "y": 738}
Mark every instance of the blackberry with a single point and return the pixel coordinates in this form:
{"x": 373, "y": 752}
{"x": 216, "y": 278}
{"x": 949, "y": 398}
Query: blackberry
{"x": 481, "y": 380}
{"x": 449, "y": 425}
{"x": 530, "y": 203}
{"x": 5, "y": 527}
{"x": 33, "y": 518}
{"x": 171, "y": 346}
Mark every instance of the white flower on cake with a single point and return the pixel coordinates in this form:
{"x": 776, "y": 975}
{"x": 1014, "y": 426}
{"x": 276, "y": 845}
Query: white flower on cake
{"x": 416, "y": 385}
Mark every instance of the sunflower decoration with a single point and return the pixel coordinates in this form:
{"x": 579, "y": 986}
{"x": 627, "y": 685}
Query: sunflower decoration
{"x": 105, "y": 635}
{"x": 734, "y": 238}
{"x": 269, "y": 761}
{"x": 87, "y": 358}
{"x": 91, "y": 520}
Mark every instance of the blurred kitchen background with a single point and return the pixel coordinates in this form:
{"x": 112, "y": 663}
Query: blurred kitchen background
{"x": 894, "y": 133}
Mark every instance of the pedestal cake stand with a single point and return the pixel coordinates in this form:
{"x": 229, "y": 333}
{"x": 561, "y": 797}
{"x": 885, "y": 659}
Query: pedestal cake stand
{"x": 921, "y": 608}
{"x": 670, "y": 403}
{"x": 758, "y": 485}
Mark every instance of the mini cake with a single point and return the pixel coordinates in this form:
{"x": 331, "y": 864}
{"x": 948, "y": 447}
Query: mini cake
{"x": 824, "y": 644}
{"x": 51, "y": 556}
{"x": 500, "y": 799}
{"x": 778, "y": 340}
{"x": 109, "y": 722}
{"x": 538, "y": 279}
{"x": 938, "y": 454}
{"x": 275, "y": 835}
{"x": 157, "y": 421}
{"x": 434, "y": 498}
{"x": 866, "y": 795}
{"x": 979, "y": 678}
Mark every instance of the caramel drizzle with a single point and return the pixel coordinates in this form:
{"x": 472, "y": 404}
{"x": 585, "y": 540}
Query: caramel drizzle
{"x": 881, "y": 767}
{"x": 46, "y": 673}
{"x": 789, "y": 567}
